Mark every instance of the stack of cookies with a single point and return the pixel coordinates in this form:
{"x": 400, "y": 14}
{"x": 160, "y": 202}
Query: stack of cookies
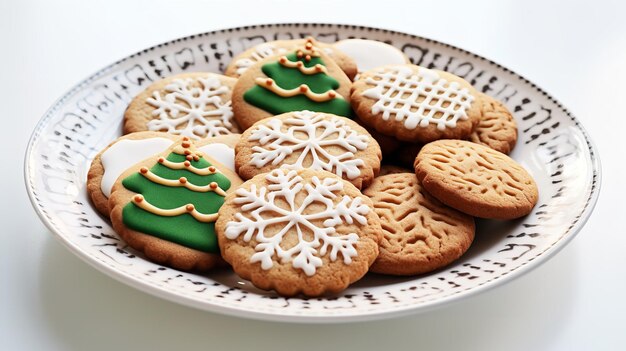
{"x": 308, "y": 165}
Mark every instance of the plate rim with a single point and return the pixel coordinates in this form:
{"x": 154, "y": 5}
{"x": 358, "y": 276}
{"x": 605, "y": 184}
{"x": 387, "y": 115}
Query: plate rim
{"x": 534, "y": 262}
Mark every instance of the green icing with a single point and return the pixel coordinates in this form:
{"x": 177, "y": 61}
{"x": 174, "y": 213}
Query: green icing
{"x": 291, "y": 78}
{"x": 183, "y": 229}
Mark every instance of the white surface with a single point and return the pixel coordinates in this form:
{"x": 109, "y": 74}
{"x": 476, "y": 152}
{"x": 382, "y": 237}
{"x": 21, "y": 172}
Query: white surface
{"x": 51, "y": 300}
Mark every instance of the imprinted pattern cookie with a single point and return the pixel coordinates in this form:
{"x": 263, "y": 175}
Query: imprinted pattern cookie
{"x": 195, "y": 105}
{"x": 166, "y": 206}
{"x": 299, "y": 231}
{"x": 420, "y": 234}
{"x": 476, "y": 179}
{"x": 312, "y": 140}
{"x": 416, "y": 104}
{"x": 496, "y": 128}
{"x": 303, "y": 79}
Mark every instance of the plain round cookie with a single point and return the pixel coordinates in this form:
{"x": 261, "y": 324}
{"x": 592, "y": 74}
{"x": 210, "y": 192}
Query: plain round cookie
{"x": 496, "y": 128}
{"x": 168, "y": 252}
{"x": 299, "y": 232}
{"x": 195, "y": 105}
{"x": 287, "y": 88}
{"x": 420, "y": 234}
{"x": 416, "y": 104}
{"x": 476, "y": 179}
{"x": 305, "y": 139}
{"x": 248, "y": 58}
{"x": 142, "y": 145}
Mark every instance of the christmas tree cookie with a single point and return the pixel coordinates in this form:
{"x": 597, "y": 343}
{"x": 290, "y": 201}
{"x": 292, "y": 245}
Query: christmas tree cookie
{"x": 303, "y": 79}
{"x": 166, "y": 206}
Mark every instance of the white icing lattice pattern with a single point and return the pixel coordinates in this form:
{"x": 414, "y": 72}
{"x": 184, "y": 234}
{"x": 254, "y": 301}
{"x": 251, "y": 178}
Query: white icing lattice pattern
{"x": 311, "y": 134}
{"x": 297, "y": 219}
{"x": 200, "y": 111}
{"x": 418, "y": 98}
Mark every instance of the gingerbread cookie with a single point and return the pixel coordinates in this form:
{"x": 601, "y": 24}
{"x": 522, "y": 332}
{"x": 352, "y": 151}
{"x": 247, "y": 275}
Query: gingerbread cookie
{"x": 369, "y": 54}
{"x": 496, "y": 128}
{"x": 420, "y": 234}
{"x": 476, "y": 179}
{"x": 195, "y": 105}
{"x": 305, "y": 139}
{"x": 298, "y": 231}
{"x": 132, "y": 148}
{"x": 166, "y": 206}
{"x": 303, "y": 79}
{"x": 259, "y": 52}
{"x": 416, "y": 104}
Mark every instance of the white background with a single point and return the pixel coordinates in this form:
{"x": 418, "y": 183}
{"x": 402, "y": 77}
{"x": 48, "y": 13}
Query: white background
{"x": 50, "y": 300}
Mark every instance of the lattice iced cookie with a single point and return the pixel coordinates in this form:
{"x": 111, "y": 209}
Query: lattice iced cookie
{"x": 497, "y": 128}
{"x": 302, "y": 231}
{"x": 476, "y": 179}
{"x": 259, "y": 52}
{"x": 420, "y": 234}
{"x": 312, "y": 140}
{"x": 166, "y": 206}
{"x": 416, "y": 104}
{"x": 196, "y": 105}
{"x": 304, "y": 78}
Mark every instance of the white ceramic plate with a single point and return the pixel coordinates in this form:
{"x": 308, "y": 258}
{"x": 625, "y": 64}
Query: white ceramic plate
{"x": 552, "y": 145}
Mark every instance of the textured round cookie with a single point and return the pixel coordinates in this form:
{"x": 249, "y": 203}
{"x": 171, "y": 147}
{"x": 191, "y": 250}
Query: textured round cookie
{"x": 248, "y": 58}
{"x": 416, "y": 104}
{"x": 391, "y": 169}
{"x": 302, "y": 79}
{"x": 195, "y": 105}
{"x": 299, "y": 231}
{"x": 476, "y": 179}
{"x": 166, "y": 206}
{"x": 420, "y": 234}
{"x": 312, "y": 140}
{"x": 496, "y": 128}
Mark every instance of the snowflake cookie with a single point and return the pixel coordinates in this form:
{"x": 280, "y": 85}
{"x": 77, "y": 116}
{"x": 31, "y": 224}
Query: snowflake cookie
{"x": 416, "y": 104}
{"x": 298, "y": 231}
{"x": 312, "y": 140}
{"x": 195, "y": 105}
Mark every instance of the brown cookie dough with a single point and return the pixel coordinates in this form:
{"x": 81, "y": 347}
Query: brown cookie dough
{"x": 312, "y": 140}
{"x": 476, "y": 179}
{"x": 416, "y": 104}
{"x": 299, "y": 231}
{"x": 420, "y": 234}
{"x": 196, "y": 105}
{"x": 497, "y": 128}
{"x": 166, "y": 206}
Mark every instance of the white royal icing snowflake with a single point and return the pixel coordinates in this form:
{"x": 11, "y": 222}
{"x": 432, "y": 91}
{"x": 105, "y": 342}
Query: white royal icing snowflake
{"x": 296, "y": 218}
{"x": 418, "y": 98}
{"x": 199, "y": 110}
{"x": 311, "y": 134}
